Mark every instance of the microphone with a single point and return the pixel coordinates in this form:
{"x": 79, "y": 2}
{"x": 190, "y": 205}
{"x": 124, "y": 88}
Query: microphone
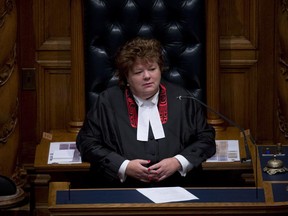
{"x": 248, "y": 155}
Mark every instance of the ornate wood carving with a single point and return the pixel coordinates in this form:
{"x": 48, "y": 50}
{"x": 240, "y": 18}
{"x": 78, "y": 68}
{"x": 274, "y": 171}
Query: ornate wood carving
{"x": 6, "y": 65}
{"x": 283, "y": 123}
{"x": 282, "y": 74}
{"x": 7, "y": 68}
{"x": 8, "y": 77}
{"x": 8, "y": 127}
{"x": 9, "y": 133}
{"x": 7, "y": 8}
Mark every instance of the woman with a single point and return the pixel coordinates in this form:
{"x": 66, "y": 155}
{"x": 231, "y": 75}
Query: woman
{"x": 138, "y": 134}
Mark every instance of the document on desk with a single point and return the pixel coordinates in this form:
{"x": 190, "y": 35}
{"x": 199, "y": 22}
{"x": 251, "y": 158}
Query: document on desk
{"x": 226, "y": 151}
{"x": 167, "y": 194}
{"x": 63, "y": 153}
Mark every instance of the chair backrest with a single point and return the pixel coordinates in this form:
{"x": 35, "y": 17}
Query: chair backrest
{"x": 178, "y": 24}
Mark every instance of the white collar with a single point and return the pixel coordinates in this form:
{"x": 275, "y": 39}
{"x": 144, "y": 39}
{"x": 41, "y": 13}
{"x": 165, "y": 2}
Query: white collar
{"x": 148, "y": 114}
{"x": 153, "y": 99}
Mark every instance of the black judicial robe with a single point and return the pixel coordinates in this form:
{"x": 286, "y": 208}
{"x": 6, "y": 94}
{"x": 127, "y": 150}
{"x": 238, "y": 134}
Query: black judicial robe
{"x": 107, "y": 137}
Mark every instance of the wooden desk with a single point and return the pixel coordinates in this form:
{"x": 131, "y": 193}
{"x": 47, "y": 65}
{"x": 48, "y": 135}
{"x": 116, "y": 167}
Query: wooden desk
{"x": 43, "y": 172}
{"x": 77, "y": 173}
{"x": 257, "y": 206}
{"x": 269, "y": 198}
{"x": 42, "y": 150}
{"x": 231, "y": 133}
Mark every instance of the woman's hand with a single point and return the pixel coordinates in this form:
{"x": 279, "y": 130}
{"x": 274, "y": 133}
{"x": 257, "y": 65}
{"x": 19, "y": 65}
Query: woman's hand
{"x": 163, "y": 169}
{"x": 138, "y": 169}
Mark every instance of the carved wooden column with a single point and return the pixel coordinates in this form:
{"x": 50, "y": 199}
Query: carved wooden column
{"x": 282, "y": 73}
{"x": 77, "y": 70}
{"x": 9, "y": 87}
{"x": 212, "y": 65}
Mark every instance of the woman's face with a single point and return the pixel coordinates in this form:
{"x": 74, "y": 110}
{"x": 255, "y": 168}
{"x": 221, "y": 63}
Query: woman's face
{"x": 144, "y": 78}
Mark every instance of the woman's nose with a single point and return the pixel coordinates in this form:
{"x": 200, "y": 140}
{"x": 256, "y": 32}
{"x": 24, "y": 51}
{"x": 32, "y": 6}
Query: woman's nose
{"x": 146, "y": 74}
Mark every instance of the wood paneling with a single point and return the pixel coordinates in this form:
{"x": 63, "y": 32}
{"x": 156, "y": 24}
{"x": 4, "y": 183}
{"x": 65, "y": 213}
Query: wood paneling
{"x": 235, "y": 93}
{"x": 52, "y": 33}
{"x": 52, "y": 24}
{"x": 246, "y": 64}
{"x": 28, "y": 98}
{"x": 241, "y": 66}
{"x": 266, "y": 72}
{"x": 238, "y": 24}
{"x": 57, "y": 98}
{"x": 243, "y": 63}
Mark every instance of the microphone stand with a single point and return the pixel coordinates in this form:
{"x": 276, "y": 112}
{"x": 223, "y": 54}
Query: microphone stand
{"x": 248, "y": 155}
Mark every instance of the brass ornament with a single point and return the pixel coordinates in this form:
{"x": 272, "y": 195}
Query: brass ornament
{"x": 275, "y": 166}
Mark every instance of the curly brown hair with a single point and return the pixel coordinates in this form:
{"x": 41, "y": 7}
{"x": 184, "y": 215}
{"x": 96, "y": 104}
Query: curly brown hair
{"x": 145, "y": 49}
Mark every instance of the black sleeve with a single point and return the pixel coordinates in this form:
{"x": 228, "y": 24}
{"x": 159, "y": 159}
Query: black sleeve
{"x": 97, "y": 139}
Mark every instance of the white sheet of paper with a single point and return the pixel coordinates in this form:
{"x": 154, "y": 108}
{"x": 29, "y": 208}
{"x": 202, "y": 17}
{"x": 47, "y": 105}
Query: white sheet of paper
{"x": 167, "y": 194}
{"x": 64, "y": 154}
{"x": 227, "y": 151}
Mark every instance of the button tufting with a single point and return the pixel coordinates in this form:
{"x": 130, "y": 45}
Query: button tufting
{"x": 178, "y": 24}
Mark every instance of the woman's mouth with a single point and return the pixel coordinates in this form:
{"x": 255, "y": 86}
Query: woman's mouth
{"x": 147, "y": 84}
